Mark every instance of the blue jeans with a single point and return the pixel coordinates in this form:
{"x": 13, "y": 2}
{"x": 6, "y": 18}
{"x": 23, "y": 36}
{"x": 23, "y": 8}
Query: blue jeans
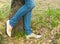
{"x": 26, "y": 11}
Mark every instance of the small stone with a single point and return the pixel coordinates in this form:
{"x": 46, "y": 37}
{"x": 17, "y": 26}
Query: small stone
{"x": 49, "y": 40}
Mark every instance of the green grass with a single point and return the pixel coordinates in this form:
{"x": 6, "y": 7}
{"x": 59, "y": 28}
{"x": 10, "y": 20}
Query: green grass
{"x": 19, "y": 34}
{"x": 49, "y": 18}
{"x": 4, "y": 11}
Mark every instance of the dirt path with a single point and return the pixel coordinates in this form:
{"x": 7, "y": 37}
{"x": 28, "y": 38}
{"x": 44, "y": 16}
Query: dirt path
{"x": 47, "y": 38}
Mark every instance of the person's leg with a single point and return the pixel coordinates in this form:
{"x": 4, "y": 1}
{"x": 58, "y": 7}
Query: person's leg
{"x": 24, "y": 10}
{"x": 27, "y": 23}
{"x": 27, "y": 26}
{"x": 29, "y": 5}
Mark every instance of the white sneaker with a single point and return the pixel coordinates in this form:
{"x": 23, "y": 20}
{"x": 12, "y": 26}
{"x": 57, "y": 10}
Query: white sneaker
{"x": 33, "y": 36}
{"x": 8, "y": 28}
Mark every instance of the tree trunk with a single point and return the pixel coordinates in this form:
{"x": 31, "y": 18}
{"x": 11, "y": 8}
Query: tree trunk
{"x": 15, "y": 5}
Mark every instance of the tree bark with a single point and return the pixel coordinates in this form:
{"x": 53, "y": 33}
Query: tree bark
{"x": 15, "y": 5}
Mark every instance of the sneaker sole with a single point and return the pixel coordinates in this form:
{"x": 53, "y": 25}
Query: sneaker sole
{"x": 6, "y": 29}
